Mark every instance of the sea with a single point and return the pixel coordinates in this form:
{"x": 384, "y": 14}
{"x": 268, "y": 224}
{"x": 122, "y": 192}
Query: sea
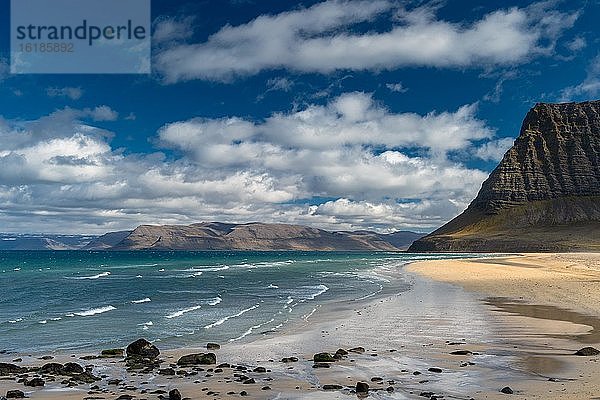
{"x": 75, "y": 301}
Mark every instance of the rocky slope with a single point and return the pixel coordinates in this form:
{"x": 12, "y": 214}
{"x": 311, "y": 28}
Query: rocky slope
{"x": 257, "y": 236}
{"x": 543, "y": 196}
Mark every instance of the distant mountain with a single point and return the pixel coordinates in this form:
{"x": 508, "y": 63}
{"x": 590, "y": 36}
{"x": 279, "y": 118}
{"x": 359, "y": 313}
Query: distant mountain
{"x": 10, "y": 241}
{"x": 107, "y": 240}
{"x": 256, "y": 236}
{"x": 543, "y": 196}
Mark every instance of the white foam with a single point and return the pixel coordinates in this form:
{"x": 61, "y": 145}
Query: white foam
{"x": 181, "y": 312}
{"x": 95, "y": 311}
{"x": 271, "y": 286}
{"x": 215, "y": 301}
{"x": 225, "y": 319}
{"x": 320, "y": 290}
{"x": 249, "y": 331}
{"x": 43, "y": 322}
{"x": 146, "y": 300}
{"x": 102, "y": 275}
{"x": 14, "y": 321}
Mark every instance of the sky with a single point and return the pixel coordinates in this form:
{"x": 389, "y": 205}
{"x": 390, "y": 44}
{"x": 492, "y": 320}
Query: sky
{"x": 338, "y": 114}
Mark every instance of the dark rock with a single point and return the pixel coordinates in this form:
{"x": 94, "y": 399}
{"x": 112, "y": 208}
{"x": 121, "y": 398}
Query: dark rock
{"x": 416, "y": 373}
{"x": 166, "y": 371}
{"x": 376, "y": 379}
{"x": 15, "y": 394}
{"x": 587, "y": 351}
{"x": 358, "y": 350}
{"x": 243, "y": 393}
{"x": 323, "y": 357}
{"x": 142, "y": 348}
{"x": 125, "y": 397}
{"x": 46, "y": 358}
{"x": 265, "y": 388}
{"x": 213, "y": 346}
{"x": 260, "y": 370}
{"x": 389, "y": 389}
{"x": 7, "y": 369}
{"x": 198, "y": 359}
{"x": 114, "y": 382}
{"x": 341, "y": 352}
{"x": 332, "y": 387}
{"x": 289, "y": 359}
{"x": 321, "y": 365}
{"x": 174, "y": 395}
{"x": 461, "y": 353}
{"x": 35, "y": 382}
{"x": 71, "y": 368}
{"x": 17, "y": 359}
{"x": 109, "y": 353}
{"x": 52, "y": 369}
{"x": 85, "y": 377}
{"x": 249, "y": 381}
{"x": 224, "y": 365}
{"x": 362, "y": 387}
{"x": 506, "y": 390}
{"x": 435, "y": 369}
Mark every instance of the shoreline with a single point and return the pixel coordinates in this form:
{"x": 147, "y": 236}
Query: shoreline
{"x": 404, "y": 333}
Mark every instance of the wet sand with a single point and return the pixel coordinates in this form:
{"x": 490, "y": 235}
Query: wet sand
{"x": 547, "y": 307}
{"x": 507, "y": 342}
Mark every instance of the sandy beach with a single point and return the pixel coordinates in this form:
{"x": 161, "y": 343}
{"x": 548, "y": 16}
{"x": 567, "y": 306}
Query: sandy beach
{"x": 474, "y": 329}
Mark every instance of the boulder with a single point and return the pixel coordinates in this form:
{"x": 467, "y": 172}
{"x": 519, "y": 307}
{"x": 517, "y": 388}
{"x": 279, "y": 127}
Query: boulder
{"x": 323, "y": 357}
{"x": 587, "y": 351}
{"x": 289, "y": 359}
{"x": 362, "y": 387}
{"x": 435, "y": 370}
{"x": 142, "y": 348}
{"x": 52, "y": 369}
{"x": 358, "y": 350}
{"x": 174, "y": 395}
{"x": 506, "y": 390}
{"x": 7, "y": 369}
{"x": 35, "y": 382}
{"x": 332, "y": 387}
{"x": 213, "y": 346}
{"x": 109, "y": 353}
{"x": 15, "y": 394}
{"x": 72, "y": 368}
{"x": 197, "y": 359}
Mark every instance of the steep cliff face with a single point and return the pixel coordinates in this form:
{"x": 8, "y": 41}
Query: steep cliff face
{"x": 543, "y": 196}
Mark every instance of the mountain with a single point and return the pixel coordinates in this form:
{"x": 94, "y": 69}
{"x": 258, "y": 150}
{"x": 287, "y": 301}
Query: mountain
{"x": 9, "y": 241}
{"x": 106, "y": 241}
{"x": 257, "y": 236}
{"x": 543, "y": 196}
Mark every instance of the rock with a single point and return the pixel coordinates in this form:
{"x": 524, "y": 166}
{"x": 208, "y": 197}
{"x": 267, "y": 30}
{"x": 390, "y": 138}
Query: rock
{"x": 52, "y": 369}
{"x": 142, "y": 348}
{"x": 461, "y": 353}
{"x": 358, "y": 350}
{"x": 85, "y": 377}
{"x": 7, "y": 369}
{"x": 249, "y": 381}
{"x": 35, "y": 382}
{"x": 213, "y": 346}
{"x": 323, "y": 357}
{"x": 362, "y": 387}
{"x": 435, "y": 369}
{"x": 265, "y": 388}
{"x": 109, "y": 353}
{"x": 376, "y": 379}
{"x": 506, "y": 390}
{"x": 341, "y": 352}
{"x": 332, "y": 387}
{"x": 321, "y": 365}
{"x": 174, "y": 395}
{"x": 46, "y": 358}
{"x": 198, "y": 359}
{"x": 549, "y": 178}
{"x": 390, "y": 389}
{"x": 125, "y": 397}
{"x": 166, "y": 371}
{"x": 15, "y": 394}
{"x": 243, "y": 393}
{"x": 587, "y": 351}
{"x": 71, "y": 368}
{"x": 114, "y": 382}
{"x": 289, "y": 359}
{"x": 260, "y": 370}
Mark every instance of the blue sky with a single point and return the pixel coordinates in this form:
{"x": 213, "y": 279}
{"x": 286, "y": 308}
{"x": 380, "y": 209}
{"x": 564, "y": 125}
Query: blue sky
{"x": 351, "y": 114}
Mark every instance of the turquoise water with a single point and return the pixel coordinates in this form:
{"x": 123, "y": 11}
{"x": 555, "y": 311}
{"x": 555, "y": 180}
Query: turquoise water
{"x": 59, "y": 301}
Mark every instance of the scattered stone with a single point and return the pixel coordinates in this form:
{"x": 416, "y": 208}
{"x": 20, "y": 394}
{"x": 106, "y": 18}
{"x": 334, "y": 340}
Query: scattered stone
{"x": 249, "y": 381}
{"x": 362, "y": 387}
{"x": 321, "y": 365}
{"x": 260, "y": 370}
{"x": 416, "y": 373}
{"x": 142, "y": 348}
{"x": 212, "y": 346}
{"x": 198, "y": 359}
{"x": 114, "y": 382}
{"x": 86, "y": 377}
{"x": 461, "y": 353}
{"x": 266, "y": 388}
{"x": 46, "y": 357}
{"x": 15, "y": 394}
{"x": 166, "y": 371}
{"x": 243, "y": 393}
{"x": 18, "y": 359}
{"x": 71, "y": 368}
{"x": 358, "y": 350}
{"x": 376, "y": 379}
{"x": 125, "y": 397}
{"x": 587, "y": 351}
{"x": 323, "y": 358}
{"x": 435, "y": 369}
{"x": 174, "y": 395}
{"x": 341, "y": 352}
{"x": 35, "y": 382}
{"x": 7, "y": 369}
{"x": 390, "y": 389}
{"x": 110, "y": 353}
{"x": 506, "y": 390}
{"x": 289, "y": 359}
{"x": 332, "y": 387}
{"x": 224, "y": 365}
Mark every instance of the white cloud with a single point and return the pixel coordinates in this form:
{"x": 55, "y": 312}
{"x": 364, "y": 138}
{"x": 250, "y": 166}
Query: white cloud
{"x": 396, "y": 87}
{"x": 280, "y": 83}
{"x": 590, "y": 87}
{"x": 61, "y": 173}
{"x": 172, "y": 29}
{"x": 578, "y": 43}
{"x": 494, "y": 150}
{"x": 74, "y": 93}
{"x": 103, "y": 113}
{"x": 319, "y": 39}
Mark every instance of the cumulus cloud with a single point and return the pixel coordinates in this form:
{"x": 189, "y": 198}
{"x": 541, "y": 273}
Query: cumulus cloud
{"x": 321, "y": 39}
{"x": 103, "y": 113}
{"x": 494, "y": 150}
{"x": 385, "y": 170}
{"x": 74, "y": 93}
{"x": 168, "y": 29}
{"x": 396, "y": 87}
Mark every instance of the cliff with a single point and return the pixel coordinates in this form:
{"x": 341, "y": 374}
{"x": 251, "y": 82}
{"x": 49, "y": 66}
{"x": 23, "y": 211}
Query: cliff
{"x": 543, "y": 196}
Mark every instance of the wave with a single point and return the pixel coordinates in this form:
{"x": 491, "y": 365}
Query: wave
{"x": 207, "y": 268}
{"x": 215, "y": 301}
{"x": 320, "y": 289}
{"x": 102, "y": 275}
{"x": 225, "y": 319}
{"x": 14, "y": 321}
{"x": 252, "y": 328}
{"x": 146, "y": 300}
{"x": 94, "y": 311}
{"x": 181, "y": 312}
{"x": 42, "y": 322}
{"x": 271, "y": 286}
{"x": 146, "y": 325}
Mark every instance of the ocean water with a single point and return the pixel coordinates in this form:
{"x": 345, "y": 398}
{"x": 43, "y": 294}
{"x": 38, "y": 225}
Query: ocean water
{"x": 76, "y": 301}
